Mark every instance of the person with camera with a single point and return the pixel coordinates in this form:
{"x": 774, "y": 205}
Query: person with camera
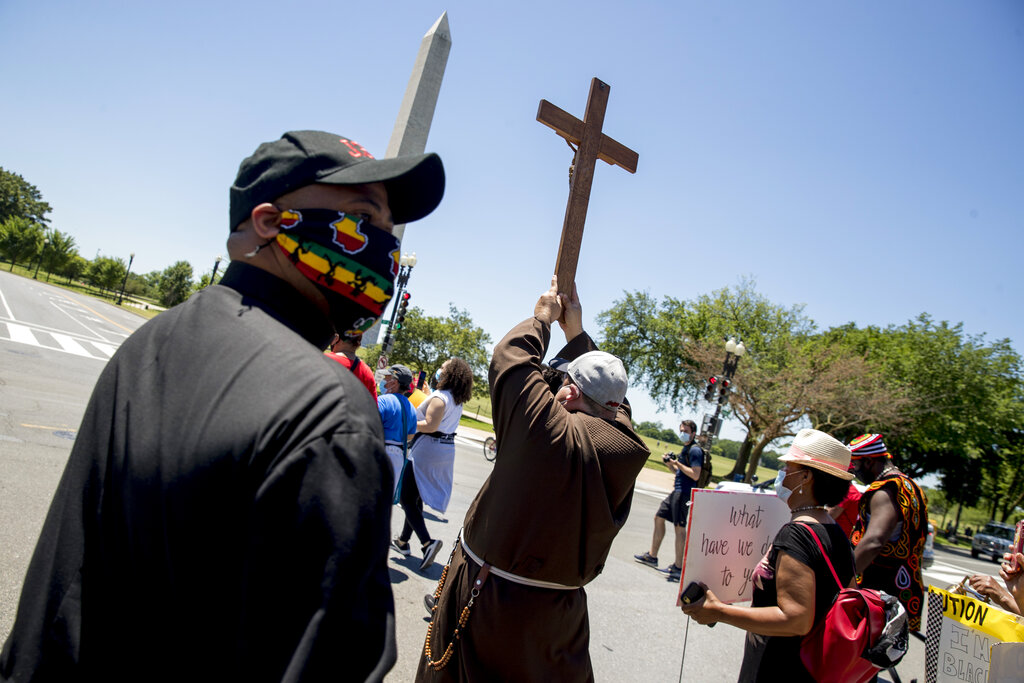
{"x": 675, "y": 508}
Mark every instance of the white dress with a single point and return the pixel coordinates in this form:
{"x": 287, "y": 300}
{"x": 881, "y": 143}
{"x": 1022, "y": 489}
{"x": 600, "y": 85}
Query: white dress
{"x": 433, "y": 457}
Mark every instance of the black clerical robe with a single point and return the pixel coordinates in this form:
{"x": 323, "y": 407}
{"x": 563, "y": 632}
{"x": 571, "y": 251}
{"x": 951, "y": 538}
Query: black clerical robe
{"x": 225, "y": 510}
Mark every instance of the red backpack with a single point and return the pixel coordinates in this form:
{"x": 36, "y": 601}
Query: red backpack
{"x": 863, "y": 632}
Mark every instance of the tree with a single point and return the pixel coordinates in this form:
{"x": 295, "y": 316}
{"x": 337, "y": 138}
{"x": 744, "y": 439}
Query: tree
{"x": 672, "y": 348}
{"x": 58, "y": 252}
{"x": 964, "y": 408}
{"x": 20, "y": 199}
{"x": 803, "y": 383}
{"x": 20, "y": 239}
{"x": 106, "y": 273}
{"x": 655, "y": 430}
{"x": 963, "y": 389}
{"x": 175, "y": 283}
{"x": 424, "y": 342}
{"x": 74, "y": 268}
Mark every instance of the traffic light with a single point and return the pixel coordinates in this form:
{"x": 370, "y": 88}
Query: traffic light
{"x": 714, "y": 424}
{"x": 723, "y": 391}
{"x": 709, "y": 393}
{"x": 403, "y": 306}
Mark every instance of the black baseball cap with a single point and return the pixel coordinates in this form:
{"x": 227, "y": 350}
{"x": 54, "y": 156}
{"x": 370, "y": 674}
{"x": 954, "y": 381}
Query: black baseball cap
{"x": 400, "y": 373}
{"x": 415, "y": 184}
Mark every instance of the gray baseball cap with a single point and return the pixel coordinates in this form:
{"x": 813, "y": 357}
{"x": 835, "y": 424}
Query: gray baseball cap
{"x": 599, "y": 375}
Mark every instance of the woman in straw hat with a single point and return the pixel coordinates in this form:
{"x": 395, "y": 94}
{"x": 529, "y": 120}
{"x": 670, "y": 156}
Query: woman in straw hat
{"x": 793, "y": 585}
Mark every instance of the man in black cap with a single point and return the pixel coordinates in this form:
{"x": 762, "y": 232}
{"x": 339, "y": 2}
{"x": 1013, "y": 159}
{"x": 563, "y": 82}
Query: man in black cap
{"x": 225, "y": 511}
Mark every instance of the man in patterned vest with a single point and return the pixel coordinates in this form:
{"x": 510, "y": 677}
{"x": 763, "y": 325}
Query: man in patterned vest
{"x": 890, "y": 534}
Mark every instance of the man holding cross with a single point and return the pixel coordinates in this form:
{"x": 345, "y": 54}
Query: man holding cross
{"x": 511, "y": 604}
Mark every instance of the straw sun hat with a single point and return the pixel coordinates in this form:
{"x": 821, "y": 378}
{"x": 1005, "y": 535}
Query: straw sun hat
{"x": 812, "y": 448}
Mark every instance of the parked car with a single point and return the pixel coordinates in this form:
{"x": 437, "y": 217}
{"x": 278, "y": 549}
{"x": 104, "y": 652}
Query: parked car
{"x": 928, "y": 557}
{"x": 994, "y": 540}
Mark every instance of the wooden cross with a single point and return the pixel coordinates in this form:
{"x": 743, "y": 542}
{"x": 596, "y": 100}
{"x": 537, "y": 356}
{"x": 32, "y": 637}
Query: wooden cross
{"x": 590, "y": 145}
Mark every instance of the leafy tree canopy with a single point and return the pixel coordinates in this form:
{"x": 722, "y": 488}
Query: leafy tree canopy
{"x": 21, "y": 199}
{"x": 106, "y": 272}
{"x": 672, "y": 347}
{"x": 175, "y": 283}
{"x": 425, "y": 342}
{"x": 20, "y": 239}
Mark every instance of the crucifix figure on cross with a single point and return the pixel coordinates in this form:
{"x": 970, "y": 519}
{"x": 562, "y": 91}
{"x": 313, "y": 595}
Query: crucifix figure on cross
{"x": 589, "y": 144}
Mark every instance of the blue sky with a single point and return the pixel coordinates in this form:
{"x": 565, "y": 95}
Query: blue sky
{"x": 864, "y": 159}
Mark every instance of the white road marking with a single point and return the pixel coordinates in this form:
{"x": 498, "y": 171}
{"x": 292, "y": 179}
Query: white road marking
{"x": 61, "y": 301}
{"x": 3, "y": 300}
{"x": 70, "y": 345}
{"x": 40, "y": 338}
{"x": 105, "y": 348}
{"x": 21, "y": 334}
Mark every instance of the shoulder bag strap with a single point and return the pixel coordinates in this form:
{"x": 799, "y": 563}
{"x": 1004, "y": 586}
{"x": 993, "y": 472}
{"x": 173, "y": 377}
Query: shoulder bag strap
{"x": 823, "y": 553}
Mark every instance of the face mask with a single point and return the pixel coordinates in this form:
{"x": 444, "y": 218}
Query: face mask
{"x": 780, "y": 490}
{"x": 684, "y": 437}
{"x": 352, "y": 263}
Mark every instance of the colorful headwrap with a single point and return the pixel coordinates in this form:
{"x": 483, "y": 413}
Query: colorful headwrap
{"x": 868, "y": 446}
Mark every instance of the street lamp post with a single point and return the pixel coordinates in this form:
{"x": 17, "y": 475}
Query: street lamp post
{"x": 405, "y": 265}
{"x": 733, "y": 352}
{"x": 216, "y": 265}
{"x": 131, "y": 257}
{"x": 35, "y": 276}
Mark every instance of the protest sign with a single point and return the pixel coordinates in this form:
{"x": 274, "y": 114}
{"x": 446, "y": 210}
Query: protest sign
{"x": 1007, "y": 663}
{"x": 727, "y": 535}
{"x": 961, "y": 634}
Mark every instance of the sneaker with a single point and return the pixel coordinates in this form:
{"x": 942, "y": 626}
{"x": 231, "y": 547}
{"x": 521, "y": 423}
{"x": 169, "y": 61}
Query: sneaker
{"x": 673, "y": 572}
{"x": 401, "y": 546}
{"x": 648, "y": 559}
{"x": 428, "y": 602}
{"x": 429, "y": 553}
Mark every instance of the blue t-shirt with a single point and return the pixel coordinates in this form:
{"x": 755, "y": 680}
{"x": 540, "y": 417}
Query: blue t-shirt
{"x": 694, "y": 458}
{"x": 391, "y": 407}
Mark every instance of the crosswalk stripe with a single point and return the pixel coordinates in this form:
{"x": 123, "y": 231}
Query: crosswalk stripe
{"x": 69, "y": 344}
{"x": 105, "y": 348}
{"x": 21, "y": 334}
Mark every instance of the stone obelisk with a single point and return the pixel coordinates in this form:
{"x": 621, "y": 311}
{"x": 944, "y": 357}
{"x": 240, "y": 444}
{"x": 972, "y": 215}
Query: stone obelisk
{"x": 417, "y": 110}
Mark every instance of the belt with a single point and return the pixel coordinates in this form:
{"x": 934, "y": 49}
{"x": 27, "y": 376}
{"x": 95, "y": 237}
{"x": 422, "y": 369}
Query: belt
{"x": 442, "y": 437}
{"x": 515, "y": 578}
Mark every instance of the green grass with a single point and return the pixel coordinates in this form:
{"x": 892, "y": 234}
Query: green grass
{"x": 478, "y": 406}
{"x": 475, "y": 424}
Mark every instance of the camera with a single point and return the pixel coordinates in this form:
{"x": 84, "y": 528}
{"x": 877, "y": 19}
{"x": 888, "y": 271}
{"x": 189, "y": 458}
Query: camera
{"x": 668, "y": 456}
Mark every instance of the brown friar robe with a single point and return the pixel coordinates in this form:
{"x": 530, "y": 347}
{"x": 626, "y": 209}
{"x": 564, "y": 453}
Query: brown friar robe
{"x": 560, "y": 491}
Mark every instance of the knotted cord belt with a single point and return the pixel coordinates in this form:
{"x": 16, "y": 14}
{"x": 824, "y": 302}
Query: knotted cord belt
{"x": 485, "y": 571}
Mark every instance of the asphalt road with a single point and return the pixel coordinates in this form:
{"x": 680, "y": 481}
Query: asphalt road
{"x": 53, "y": 345}
{"x": 637, "y": 632}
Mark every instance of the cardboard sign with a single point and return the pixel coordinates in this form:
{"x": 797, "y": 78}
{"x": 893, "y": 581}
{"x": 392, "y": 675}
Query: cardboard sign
{"x": 1007, "y": 663}
{"x": 962, "y": 632}
{"x": 727, "y": 534}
